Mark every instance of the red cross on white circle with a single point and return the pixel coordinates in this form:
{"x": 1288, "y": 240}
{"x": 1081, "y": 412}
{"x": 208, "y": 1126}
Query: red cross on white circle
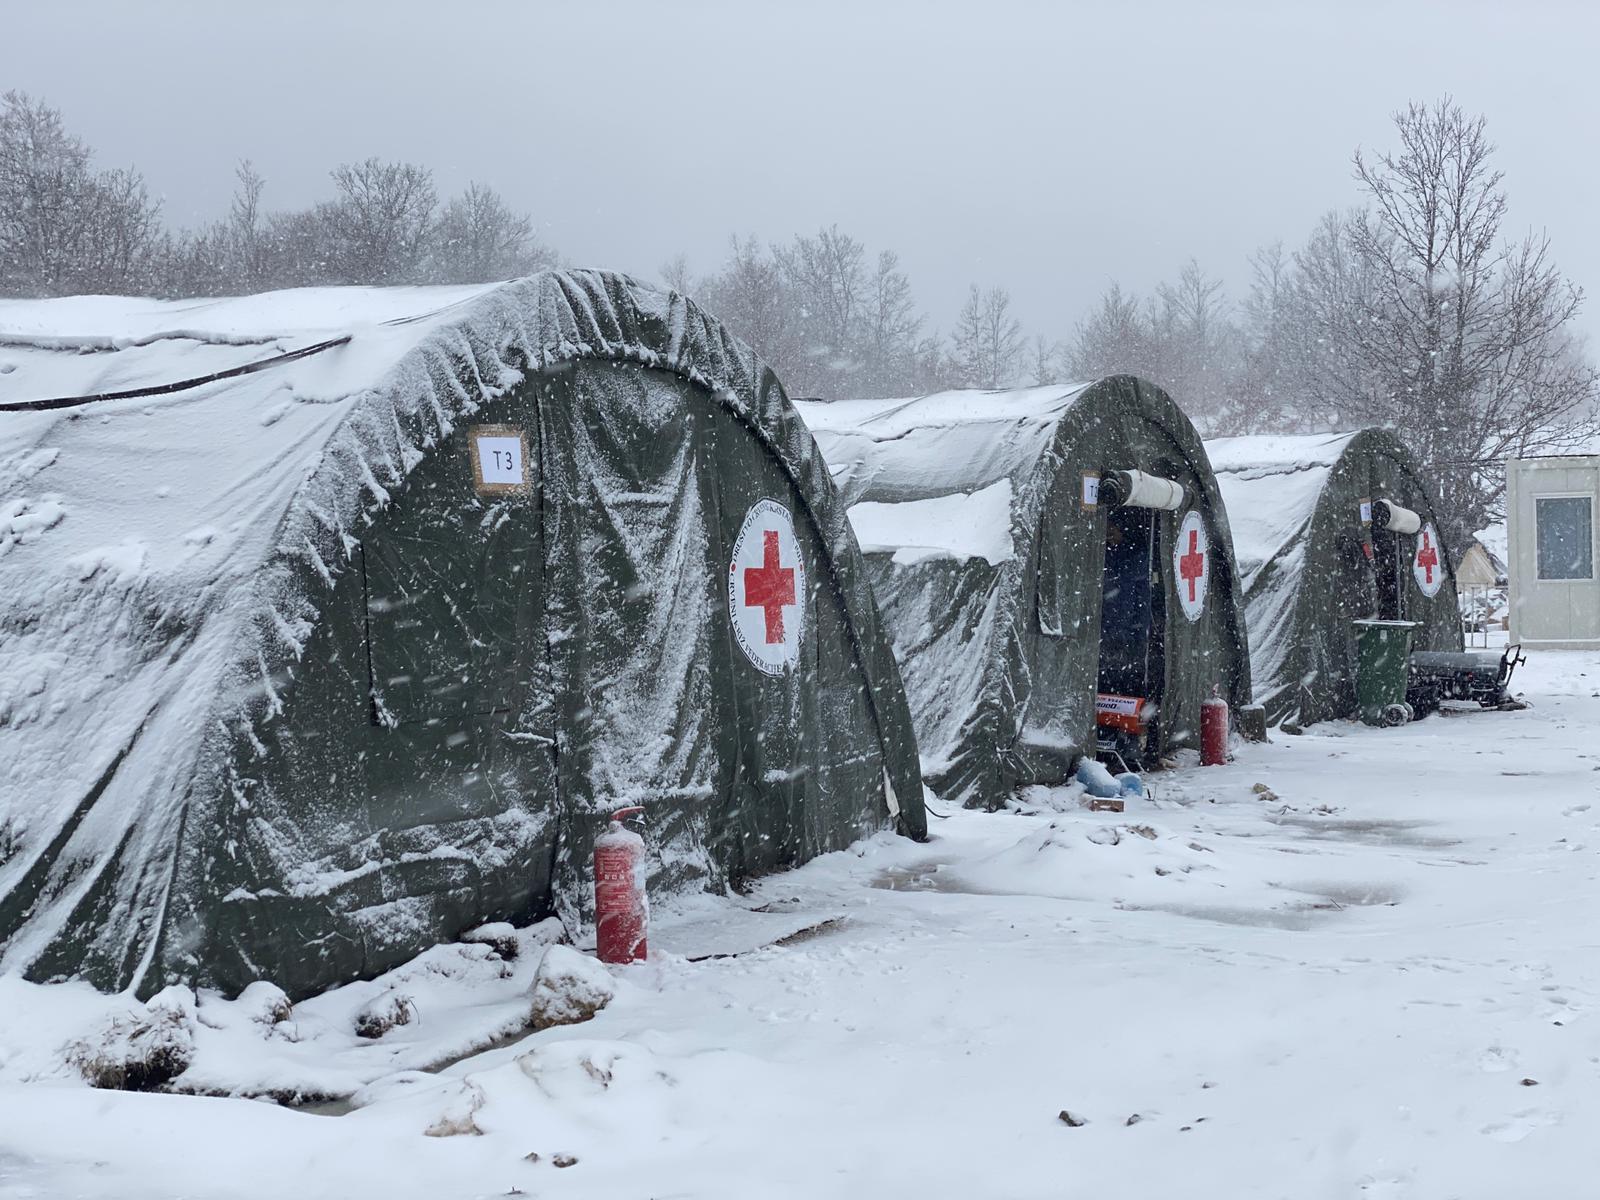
{"x": 1427, "y": 564}
{"x": 767, "y": 588}
{"x": 1191, "y": 564}
{"x": 1427, "y": 556}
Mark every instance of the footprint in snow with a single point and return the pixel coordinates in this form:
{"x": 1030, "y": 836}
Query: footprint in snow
{"x": 1519, "y": 1126}
{"x": 1558, "y": 1006}
{"x": 1388, "y": 1187}
{"x": 1495, "y": 1058}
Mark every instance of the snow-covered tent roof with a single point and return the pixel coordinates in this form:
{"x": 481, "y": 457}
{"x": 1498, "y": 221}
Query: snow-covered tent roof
{"x": 940, "y": 444}
{"x": 1294, "y": 502}
{"x": 945, "y": 471}
{"x": 987, "y": 564}
{"x": 160, "y": 496}
{"x": 167, "y": 559}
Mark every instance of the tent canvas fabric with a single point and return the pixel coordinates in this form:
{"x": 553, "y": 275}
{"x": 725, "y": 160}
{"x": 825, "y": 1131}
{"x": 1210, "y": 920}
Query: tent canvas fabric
{"x": 988, "y": 567}
{"x": 1295, "y": 505}
{"x": 286, "y": 693}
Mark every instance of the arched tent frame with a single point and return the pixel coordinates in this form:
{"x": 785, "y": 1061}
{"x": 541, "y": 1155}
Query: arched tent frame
{"x": 1295, "y": 501}
{"x": 107, "y": 880}
{"x": 1003, "y": 685}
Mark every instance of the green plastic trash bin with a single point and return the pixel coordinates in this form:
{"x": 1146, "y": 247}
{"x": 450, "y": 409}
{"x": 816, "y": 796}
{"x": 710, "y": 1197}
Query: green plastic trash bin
{"x": 1383, "y": 656}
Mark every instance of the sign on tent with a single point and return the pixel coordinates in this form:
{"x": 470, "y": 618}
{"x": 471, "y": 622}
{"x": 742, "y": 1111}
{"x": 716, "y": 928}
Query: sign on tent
{"x": 499, "y": 459}
{"x": 767, "y": 588}
{"x": 1191, "y": 571}
{"x": 1426, "y": 564}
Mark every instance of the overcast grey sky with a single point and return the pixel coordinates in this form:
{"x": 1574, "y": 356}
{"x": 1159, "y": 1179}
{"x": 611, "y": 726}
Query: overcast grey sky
{"x": 1048, "y": 148}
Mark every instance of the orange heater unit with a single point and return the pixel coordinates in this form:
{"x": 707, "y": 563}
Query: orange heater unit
{"x": 1131, "y": 714}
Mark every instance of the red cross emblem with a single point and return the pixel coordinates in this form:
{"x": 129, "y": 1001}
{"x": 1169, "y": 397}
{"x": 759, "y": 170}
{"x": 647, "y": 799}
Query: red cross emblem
{"x": 769, "y": 587}
{"x": 1189, "y": 551}
{"x": 1427, "y": 556}
{"x": 1192, "y": 566}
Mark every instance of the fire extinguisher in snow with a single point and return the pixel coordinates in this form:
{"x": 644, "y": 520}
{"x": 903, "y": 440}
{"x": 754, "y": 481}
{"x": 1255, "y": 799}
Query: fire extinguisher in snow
{"x": 621, "y": 907}
{"x": 1213, "y": 730}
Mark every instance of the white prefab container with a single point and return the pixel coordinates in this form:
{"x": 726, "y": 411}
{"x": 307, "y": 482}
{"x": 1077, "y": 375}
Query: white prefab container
{"x": 1553, "y": 550}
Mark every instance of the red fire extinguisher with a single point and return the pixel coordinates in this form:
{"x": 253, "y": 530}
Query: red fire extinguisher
{"x": 1213, "y": 731}
{"x": 622, "y": 909}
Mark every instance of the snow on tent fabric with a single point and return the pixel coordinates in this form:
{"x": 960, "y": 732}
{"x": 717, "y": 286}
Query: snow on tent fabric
{"x": 305, "y": 670}
{"x": 987, "y": 542}
{"x": 1321, "y": 529}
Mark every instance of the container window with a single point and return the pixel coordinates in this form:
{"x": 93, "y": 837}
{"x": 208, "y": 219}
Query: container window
{"x": 1565, "y": 536}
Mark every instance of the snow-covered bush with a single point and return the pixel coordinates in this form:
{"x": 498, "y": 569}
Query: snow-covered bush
{"x": 570, "y": 987}
{"x": 499, "y": 936}
{"x": 141, "y": 1050}
{"x": 266, "y": 1003}
{"x": 383, "y": 1012}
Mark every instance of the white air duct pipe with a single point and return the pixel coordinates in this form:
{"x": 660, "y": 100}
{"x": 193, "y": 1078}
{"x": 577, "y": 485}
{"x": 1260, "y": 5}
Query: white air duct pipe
{"x": 1135, "y": 489}
{"x": 1386, "y": 514}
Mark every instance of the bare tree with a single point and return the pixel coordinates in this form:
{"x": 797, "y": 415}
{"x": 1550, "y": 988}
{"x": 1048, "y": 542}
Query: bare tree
{"x": 1468, "y": 346}
{"x": 676, "y": 275}
{"x": 1046, "y": 361}
{"x": 1113, "y": 338}
{"x": 830, "y": 324}
{"x": 1196, "y": 346}
{"x": 123, "y": 238}
{"x": 249, "y": 245}
{"x": 231, "y": 255}
{"x": 988, "y": 339}
{"x": 198, "y": 264}
{"x": 1322, "y": 328}
{"x": 479, "y": 239}
{"x": 377, "y": 231}
{"x": 750, "y": 294}
{"x": 888, "y": 334}
{"x": 1183, "y": 338}
{"x": 43, "y": 177}
{"x": 65, "y": 227}
{"x": 1272, "y": 371}
{"x": 826, "y": 280}
{"x": 300, "y": 249}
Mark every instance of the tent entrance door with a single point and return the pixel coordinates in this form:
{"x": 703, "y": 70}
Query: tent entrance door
{"x": 1132, "y": 616}
{"x": 631, "y": 629}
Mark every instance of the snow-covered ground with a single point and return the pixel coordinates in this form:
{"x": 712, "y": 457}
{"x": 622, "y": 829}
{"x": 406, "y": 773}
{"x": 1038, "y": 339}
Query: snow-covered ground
{"x": 1377, "y": 978}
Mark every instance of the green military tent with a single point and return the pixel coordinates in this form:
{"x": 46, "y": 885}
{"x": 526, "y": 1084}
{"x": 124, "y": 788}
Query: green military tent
{"x": 1030, "y": 550}
{"x": 335, "y": 619}
{"x": 1330, "y": 528}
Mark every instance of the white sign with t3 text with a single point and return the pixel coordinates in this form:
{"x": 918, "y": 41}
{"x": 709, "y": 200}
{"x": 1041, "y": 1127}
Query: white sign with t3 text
{"x": 499, "y": 459}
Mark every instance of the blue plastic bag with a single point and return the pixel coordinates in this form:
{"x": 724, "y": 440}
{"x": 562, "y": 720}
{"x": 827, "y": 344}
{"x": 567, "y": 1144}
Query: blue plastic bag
{"x": 1097, "y": 780}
